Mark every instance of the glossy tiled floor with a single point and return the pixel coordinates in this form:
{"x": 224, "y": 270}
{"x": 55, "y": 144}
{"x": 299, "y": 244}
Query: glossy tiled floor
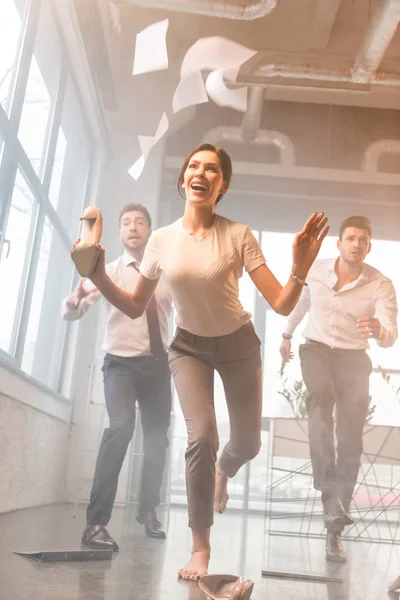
{"x": 146, "y": 569}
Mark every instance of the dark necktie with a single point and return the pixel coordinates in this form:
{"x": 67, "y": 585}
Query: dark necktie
{"x": 156, "y": 344}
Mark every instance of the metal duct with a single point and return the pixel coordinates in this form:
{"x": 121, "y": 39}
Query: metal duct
{"x": 252, "y": 116}
{"x": 380, "y": 32}
{"x": 375, "y": 150}
{"x": 264, "y": 138}
{"x": 227, "y": 9}
{"x": 309, "y": 73}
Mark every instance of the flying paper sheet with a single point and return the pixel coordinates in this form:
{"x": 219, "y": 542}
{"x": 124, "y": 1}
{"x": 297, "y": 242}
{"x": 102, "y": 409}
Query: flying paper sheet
{"x": 221, "y": 94}
{"x": 215, "y": 53}
{"x": 224, "y": 58}
{"x": 146, "y": 143}
{"x": 161, "y": 129}
{"x": 190, "y": 91}
{"x": 137, "y": 168}
{"x": 151, "y": 49}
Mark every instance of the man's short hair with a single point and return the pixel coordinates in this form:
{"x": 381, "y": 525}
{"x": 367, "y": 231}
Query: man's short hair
{"x": 357, "y": 222}
{"x": 131, "y": 206}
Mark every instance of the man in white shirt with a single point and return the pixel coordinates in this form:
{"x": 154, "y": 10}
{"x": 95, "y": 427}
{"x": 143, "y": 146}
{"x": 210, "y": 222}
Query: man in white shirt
{"x": 135, "y": 368}
{"x": 349, "y": 302}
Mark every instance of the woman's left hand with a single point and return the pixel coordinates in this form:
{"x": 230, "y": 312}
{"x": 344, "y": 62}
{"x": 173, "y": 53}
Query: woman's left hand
{"x": 307, "y": 243}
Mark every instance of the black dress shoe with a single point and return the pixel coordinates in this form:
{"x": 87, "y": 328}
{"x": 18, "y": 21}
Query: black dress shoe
{"x": 152, "y": 526}
{"x": 97, "y": 536}
{"x": 335, "y": 517}
{"x": 334, "y": 549}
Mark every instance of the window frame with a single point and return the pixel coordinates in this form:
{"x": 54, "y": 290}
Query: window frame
{"x": 14, "y": 158}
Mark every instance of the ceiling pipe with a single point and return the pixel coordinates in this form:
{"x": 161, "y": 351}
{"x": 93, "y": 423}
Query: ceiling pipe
{"x": 227, "y": 9}
{"x": 265, "y": 137}
{"x": 380, "y": 31}
{"x": 375, "y": 150}
{"x": 252, "y": 116}
{"x": 378, "y": 36}
{"x": 309, "y": 73}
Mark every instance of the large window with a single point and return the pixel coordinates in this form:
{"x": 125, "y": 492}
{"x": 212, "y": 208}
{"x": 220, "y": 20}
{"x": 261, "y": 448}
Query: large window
{"x": 385, "y": 403}
{"x": 41, "y": 91}
{"x": 277, "y": 249}
{"x": 45, "y": 154}
{"x": 12, "y": 19}
{"x": 14, "y": 266}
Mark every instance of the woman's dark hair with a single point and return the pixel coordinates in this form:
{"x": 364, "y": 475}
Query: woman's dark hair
{"x": 224, "y": 161}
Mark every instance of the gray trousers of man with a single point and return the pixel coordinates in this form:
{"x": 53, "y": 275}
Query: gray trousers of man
{"x": 335, "y": 377}
{"x": 193, "y": 360}
{"x": 126, "y": 379}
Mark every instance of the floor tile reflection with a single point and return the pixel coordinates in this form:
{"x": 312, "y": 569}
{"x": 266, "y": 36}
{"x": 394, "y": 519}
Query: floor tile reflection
{"x": 145, "y": 569}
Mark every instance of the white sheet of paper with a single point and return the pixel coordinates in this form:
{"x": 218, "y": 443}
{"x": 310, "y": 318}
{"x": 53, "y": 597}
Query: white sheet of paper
{"x": 214, "y": 53}
{"x": 161, "y": 129}
{"x": 151, "y": 49}
{"x": 146, "y": 143}
{"x": 137, "y": 168}
{"x": 221, "y": 94}
{"x": 190, "y": 91}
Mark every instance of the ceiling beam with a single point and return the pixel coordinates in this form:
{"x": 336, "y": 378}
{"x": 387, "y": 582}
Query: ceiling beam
{"x": 300, "y": 172}
{"x": 323, "y": 21}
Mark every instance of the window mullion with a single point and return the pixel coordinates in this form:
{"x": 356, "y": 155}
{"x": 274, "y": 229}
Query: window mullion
{"x": 54, "y": 126}
{"x": 24, "y": 64}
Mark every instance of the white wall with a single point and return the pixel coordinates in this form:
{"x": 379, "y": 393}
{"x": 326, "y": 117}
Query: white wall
{"x": 34, "y": 442}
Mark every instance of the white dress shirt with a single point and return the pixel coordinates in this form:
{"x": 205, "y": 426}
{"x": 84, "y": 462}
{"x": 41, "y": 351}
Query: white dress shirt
{"x": 125, "y": 336}
{"x": 333, "y": 315}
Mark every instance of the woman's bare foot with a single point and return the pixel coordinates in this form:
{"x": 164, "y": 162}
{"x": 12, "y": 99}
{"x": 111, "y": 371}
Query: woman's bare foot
{"x": 221, "y": 490}
{"x": 197, "y": 565}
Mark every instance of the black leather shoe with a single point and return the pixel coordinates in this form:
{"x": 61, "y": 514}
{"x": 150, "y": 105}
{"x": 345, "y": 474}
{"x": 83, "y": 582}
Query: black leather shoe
{"x": 335, "y": 517}
{"x": 334, "y": 549}
{"x": 152, "y": 526}
{"x": 97, "y": 536}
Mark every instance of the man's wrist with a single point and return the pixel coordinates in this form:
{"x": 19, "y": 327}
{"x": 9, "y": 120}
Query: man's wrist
{"x": 287, "y": 336}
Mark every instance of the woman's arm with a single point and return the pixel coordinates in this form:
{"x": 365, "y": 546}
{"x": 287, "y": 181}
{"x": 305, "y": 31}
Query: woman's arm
{"x": 281, "y": 299}
{"x": 305, "y": 248}
{"x": 132, "y": 303}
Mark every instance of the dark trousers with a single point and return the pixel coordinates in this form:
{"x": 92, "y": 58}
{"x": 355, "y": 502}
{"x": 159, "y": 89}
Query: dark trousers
{"x": 335, "y": 377}
{"x": 147, "y": 380}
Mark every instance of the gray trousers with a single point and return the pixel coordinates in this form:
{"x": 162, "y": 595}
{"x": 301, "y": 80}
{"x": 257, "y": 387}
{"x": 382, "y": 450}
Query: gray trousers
{"x": 193, "y": 360}
{"x": 146, "y": 379}
{"x": 335, "y": 377}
